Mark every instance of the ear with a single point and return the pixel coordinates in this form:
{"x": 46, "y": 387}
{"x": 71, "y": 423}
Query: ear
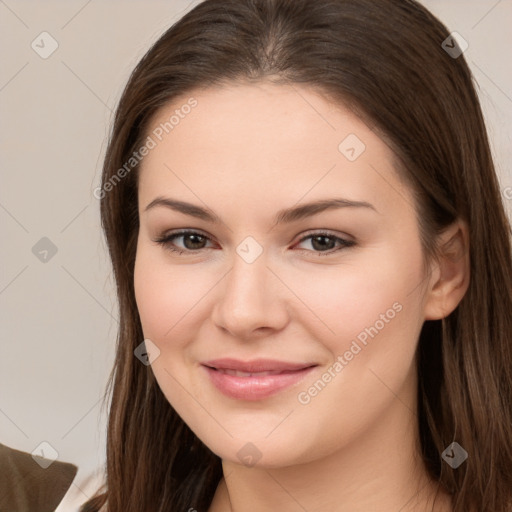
{"x": 449, "y": 274}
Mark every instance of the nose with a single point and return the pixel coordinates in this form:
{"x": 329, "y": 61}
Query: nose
{"x": 251, "y": 301}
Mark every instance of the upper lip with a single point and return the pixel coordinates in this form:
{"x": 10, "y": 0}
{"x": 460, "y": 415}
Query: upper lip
{"x": 256, "y": 365}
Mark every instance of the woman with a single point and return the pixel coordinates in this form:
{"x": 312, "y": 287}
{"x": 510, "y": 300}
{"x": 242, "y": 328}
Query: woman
{"x": 313, "y": 266}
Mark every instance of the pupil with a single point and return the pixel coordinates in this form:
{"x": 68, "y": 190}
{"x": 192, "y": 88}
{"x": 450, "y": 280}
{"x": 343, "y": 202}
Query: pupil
{"x": 322, "y": 246}
{"x": 192, "y": 237}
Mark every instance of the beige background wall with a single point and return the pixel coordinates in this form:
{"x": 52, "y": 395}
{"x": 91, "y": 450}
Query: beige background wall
{"x": 58, "y": 316}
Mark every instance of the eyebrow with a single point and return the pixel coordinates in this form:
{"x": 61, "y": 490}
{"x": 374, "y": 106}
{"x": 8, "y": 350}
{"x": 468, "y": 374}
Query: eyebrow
{"x": 287, "y": 215}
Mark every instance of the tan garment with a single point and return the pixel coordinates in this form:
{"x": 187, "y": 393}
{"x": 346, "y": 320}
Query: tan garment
{"x": 25, "y": 486}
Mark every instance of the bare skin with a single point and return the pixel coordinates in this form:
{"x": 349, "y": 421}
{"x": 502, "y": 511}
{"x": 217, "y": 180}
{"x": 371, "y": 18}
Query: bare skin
{"x": 246, "y": 152}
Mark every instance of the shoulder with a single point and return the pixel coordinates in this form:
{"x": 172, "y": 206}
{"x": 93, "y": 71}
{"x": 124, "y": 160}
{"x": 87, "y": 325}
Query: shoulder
{"x": 32, "y": 482}
{"x": 85, "y": 485}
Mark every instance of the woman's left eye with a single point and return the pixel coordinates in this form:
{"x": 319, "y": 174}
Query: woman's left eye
{"x": 322, "y": 240}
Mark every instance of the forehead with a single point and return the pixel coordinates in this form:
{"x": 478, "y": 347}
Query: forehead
{"x": 261, "y": 119}
{"x": 262, "y": 142}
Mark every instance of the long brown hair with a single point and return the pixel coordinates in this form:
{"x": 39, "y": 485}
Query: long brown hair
{"x": 383, "y": 59}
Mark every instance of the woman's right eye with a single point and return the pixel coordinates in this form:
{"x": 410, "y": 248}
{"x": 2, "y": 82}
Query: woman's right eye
{"x": 194, "y": 237}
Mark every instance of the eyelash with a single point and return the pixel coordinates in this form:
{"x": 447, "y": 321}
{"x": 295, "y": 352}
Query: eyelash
{"x": 166, "y": 242}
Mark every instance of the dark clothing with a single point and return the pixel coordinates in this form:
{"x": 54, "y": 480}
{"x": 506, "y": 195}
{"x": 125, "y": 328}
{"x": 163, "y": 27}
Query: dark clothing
{"x": 25, "y": 486}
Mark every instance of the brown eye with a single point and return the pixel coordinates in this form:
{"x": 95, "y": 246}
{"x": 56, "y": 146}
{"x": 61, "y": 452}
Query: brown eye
{"x": 324, "y": 243}
{"x": 192, "y": 241}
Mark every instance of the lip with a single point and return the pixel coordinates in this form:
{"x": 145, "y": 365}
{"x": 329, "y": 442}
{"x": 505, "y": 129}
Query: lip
{"x": 230, "y": 376}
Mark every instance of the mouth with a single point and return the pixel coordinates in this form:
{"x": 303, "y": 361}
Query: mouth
{"x": 238, "y": 373}
{"x": 256, "y": 366}
{"x": 255, "y": 380}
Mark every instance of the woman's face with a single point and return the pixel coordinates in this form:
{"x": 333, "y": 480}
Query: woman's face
{"x": 319, "y": 311}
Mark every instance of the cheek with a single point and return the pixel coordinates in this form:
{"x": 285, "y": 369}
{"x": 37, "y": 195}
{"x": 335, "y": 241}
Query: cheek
{"x": 359, "y": 298}
{"x": 375, "y": 311}
{"x": 168, "y": 301}
{"x": 165, "y": 294}
{"x": 368, "y": 316}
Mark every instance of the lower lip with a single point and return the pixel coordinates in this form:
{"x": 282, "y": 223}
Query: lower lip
{"x": 255, "y": 388}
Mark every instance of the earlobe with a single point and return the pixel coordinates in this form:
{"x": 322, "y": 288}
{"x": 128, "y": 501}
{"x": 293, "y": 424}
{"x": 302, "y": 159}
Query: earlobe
{"x": 450, "y": 273}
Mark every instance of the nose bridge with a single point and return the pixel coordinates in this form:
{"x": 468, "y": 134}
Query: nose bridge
{"x": 247, "y": 283}
{"x": 249, "y": 299}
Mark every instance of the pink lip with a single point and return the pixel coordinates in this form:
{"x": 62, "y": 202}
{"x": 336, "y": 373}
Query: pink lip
{"x": 254, "y": 387}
